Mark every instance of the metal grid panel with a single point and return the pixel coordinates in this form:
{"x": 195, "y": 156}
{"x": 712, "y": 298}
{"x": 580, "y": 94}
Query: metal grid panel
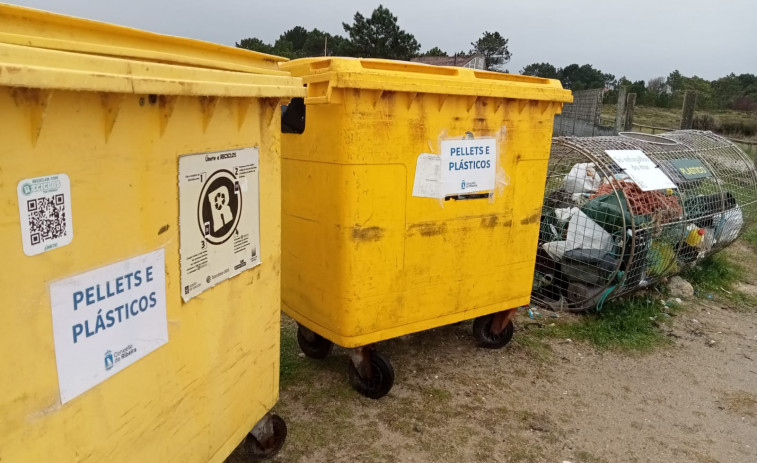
{"x": 601, "y": 236}
{"x": 586, "y": 106}
{"x": 582, "y": 116}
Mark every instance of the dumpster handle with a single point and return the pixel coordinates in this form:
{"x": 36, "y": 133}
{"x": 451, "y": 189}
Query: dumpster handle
{"x": 470, "y": 196}
{"x": 403, "y": 66}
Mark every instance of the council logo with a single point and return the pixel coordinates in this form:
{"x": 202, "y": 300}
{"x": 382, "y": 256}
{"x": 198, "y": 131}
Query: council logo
{"x": 108, "y": 360}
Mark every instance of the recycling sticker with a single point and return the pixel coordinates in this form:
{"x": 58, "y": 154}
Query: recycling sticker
{"x": 219, "y": 207}
{"x": 219, "y": 217}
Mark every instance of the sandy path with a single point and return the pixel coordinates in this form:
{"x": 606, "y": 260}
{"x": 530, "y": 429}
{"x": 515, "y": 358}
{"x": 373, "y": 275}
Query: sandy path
{"x": 694, "y": 401}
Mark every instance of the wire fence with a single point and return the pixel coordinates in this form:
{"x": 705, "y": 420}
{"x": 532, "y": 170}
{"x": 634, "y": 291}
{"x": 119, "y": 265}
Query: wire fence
{"x": 582, "y": 118}
{"x": 748, "y": 146}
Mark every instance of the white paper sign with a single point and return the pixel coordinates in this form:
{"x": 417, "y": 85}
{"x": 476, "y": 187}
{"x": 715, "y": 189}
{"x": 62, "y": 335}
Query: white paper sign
{"x": 428, "y": 176}
{"x": 468, "y": 166}
{"x": 106, "y": 319}
{"x": 219, "y": 219}
{"x": 641, "y": 169}
{"x": 44, "y": 206}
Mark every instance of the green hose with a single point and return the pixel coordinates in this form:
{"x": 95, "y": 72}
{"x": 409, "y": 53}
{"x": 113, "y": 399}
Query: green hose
{"x": 608, "y": 291}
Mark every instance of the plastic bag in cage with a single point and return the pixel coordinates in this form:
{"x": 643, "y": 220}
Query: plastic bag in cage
{"x": 728, "y": 225}
{"x": 582, "y": 178}
{"x": 583, "y": 233}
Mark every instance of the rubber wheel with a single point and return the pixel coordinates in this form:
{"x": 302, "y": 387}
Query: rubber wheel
{"x": 268, "y": 448}
{"x": 319, "y": 348}
{"x": 381, "y": 381}
{"x": 482, "y": 331}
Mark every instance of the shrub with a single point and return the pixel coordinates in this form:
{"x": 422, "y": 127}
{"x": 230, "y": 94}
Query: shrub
{"x": 739, "y": 128}
{"x": 705, "y": 122}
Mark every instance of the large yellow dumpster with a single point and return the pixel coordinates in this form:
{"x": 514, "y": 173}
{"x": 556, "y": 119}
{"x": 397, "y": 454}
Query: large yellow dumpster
{"x": 411, "y": 200}
{"x": 140, "y": 186}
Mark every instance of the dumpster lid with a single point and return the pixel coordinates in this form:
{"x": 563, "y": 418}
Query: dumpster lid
{"x": 48, "y": 51}
{"x": 41, "y": 29}
{"x": 404, "y": 76}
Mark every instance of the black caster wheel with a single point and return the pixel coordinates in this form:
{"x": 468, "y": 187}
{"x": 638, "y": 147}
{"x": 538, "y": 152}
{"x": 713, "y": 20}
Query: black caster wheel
{"x": 312, "y": 344}
{"x": 381, "y": 380}
{"x": 482, "y": 331}
{"x": 260, "y": 449}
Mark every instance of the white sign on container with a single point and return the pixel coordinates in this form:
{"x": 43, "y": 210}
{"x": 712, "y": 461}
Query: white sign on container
{"x": 641, "y": 169}
{"x": 468, "y": 166}
{"x": 427, "y": 183}
{"x": 106, "y": 319}
{"x": 219, "y": 218}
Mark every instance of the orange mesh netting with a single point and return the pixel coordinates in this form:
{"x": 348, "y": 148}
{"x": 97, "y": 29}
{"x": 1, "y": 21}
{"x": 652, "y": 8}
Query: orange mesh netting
{"x": 665, "y": 207}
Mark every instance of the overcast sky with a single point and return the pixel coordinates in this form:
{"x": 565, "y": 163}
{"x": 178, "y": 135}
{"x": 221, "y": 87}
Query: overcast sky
{"x": 640, "y": 39}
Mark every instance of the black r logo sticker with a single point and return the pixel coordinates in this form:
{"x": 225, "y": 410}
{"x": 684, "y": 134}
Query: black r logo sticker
{"x": 219, "y": 207}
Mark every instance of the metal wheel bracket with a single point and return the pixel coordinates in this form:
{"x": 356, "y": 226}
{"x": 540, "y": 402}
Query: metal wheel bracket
{"x": 361, "y": 359}
{"x": 501, "y": 319}
{"x": 263, "y": 429}
{"x": 307, "y": 333}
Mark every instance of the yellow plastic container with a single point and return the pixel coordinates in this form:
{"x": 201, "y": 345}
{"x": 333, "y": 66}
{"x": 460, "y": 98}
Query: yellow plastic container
{"x": 114, "y": 108}
{"x": 363, "y": 259}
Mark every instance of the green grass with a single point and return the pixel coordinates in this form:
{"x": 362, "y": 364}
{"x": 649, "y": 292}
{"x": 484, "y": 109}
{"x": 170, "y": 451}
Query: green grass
{"x": 634, "y": 323}
{"x": 647, "y": 115}
{"x": 715, "y": 273}
{"x": 291, "y": 366}
{"x": 628, "y": 324}
{"x": 750, "y": 236}
{"x": 716, "y": 276}
{"x": 296, "y": 369}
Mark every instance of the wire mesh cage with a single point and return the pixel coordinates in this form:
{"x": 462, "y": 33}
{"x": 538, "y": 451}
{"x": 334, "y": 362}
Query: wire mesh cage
{"x": 622, "y": 212}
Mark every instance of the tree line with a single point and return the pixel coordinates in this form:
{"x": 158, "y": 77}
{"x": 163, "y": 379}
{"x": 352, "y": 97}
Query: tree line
{"x": 375, "y": 36}
{"x": 738, "y": 92}
{"x": 379, "y": 36}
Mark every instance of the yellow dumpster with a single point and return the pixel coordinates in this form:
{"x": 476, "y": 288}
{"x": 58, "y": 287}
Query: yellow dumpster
{"x": 140, "y": 187}
{"x": 411, "y": 199}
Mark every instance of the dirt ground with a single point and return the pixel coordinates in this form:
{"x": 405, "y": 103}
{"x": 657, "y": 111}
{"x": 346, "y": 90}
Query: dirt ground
{"x": 555, "y": 401}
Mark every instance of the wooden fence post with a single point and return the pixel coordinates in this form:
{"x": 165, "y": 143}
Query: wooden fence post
{"x": 620, "y": 118}
{"x": 687, "y": 113}
{"x": 630, "y": 106}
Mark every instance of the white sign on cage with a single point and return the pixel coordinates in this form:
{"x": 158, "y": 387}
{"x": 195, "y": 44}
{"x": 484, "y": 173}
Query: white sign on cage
{"x": 642, "y": 170}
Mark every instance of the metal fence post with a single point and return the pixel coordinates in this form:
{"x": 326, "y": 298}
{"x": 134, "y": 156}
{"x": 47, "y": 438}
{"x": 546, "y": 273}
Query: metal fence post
{"x": 630, "y": 107}
{"x": 687, "y": 113}
{"x": 620, "y": 118}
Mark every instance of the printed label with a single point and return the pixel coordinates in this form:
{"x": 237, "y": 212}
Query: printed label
{"x": 691, "y": 169}
{"x": 44, "y": 205}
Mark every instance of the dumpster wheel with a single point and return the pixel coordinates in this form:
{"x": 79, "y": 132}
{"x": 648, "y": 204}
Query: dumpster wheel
{"x": 375, "y": 383}
{"x": 313, "y": 344}
{"x": 271, "y": 433}
{"x": 486, "y": 337}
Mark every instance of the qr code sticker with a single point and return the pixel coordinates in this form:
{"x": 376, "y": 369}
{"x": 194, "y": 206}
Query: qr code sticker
{"x": 47, "y": 218}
